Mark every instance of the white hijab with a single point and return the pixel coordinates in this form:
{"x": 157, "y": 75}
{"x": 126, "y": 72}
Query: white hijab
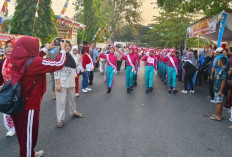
{"x": 75, "y": 56}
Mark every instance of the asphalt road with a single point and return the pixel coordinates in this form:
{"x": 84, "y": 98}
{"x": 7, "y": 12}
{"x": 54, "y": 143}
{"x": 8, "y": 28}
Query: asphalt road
{"x": 131, "y": 125}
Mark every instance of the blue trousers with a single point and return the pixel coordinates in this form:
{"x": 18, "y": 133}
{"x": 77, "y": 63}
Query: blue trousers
{"x": 129, "y": 77}
{"x": 171, "y": 77}
{"x": 109, "y": 76}
{"x": 149, "y": 75}
{"x": 85, "y": 79}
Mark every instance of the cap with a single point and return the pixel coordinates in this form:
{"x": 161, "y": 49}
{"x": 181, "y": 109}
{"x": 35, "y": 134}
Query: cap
{"x": 220, "y": 49}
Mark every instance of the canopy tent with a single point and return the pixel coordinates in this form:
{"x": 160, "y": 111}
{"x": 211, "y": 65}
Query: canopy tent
{"x": 209, "y": 28}
{"x": 3, "y": 38}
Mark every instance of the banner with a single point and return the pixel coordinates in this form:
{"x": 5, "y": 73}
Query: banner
{"x": 223, "y": 20}
{"x": 203, "y": 27}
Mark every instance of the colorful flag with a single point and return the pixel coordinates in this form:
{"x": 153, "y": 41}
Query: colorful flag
{"x": 63, "y": 11}
{"x": 37, "y": 9}
{"x": 5, "y": 6}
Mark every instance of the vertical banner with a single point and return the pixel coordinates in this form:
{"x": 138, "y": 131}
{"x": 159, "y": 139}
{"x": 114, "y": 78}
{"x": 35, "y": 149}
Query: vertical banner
{"x": 223, "y": 21}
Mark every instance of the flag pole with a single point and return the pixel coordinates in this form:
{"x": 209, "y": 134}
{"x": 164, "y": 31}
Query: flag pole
{"x": 33, "y": 27}
{"x": 36, "y": 15}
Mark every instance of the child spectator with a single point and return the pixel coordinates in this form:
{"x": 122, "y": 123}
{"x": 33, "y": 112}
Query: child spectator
{"x": 219, "y": 88}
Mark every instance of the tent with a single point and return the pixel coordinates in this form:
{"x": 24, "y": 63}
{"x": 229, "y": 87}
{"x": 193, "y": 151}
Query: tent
{"x": 215, "y": 28}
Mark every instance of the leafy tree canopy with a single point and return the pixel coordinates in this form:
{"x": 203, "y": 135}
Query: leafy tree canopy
{"x": 23, "y": 20}
{"x": 208, "y": 7}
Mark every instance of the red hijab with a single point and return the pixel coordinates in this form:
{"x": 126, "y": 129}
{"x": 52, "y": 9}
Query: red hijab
{"x": 25, "y": 48}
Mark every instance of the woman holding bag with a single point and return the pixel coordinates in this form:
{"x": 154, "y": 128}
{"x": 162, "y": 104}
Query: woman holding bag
{"x": 27, "y": 122}
{"x": 5, "y": 74}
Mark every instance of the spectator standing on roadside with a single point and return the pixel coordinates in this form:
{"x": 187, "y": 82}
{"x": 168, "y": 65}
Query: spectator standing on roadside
{"x": 65, "y": 88}
{"x": 34, "y": 80}
{"x": 94, "y": 55}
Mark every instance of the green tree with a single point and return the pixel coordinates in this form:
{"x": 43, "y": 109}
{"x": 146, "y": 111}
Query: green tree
{"x": 169, "y": 30}
{"x": 91, "y": 17}
{"x": 6, "y": 26}
{"x": 208, "y": 7}
{"x": 114, "y": 13}
{"x": 23, "y": 20}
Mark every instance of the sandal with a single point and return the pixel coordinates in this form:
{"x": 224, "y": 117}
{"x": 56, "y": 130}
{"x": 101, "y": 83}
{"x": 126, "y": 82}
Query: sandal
{"x": 78, "y": 115}
{"x": 215, "y": 118}
{"x": 59, "y": 125}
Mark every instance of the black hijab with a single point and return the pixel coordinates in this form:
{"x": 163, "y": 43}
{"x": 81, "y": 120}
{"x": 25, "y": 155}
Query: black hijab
{"x": 70, "y": 62}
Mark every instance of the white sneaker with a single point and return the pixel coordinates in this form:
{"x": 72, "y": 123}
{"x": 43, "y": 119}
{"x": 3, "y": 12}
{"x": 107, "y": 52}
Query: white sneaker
{"x": 88, "y": 89}
{"x": 192, "y": 91}
{"x": 212, "y": 101}
{"x": 10, "y": 133}
{"x": 39, "y": 153}
{"x": 77, "y": 94}
{"x": 184, "y": 91}
{"x": 84, "y": 91}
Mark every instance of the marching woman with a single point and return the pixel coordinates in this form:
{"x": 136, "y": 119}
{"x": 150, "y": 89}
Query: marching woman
{"x": 137, "y": 64}
{"x": 165, "y": 65}
{"x": 130, "y": 69}
{"x": 5, "y": 74}
{"x": 151, "y": 66}
{"x": 77, "y": 57}
{"x": 111, "y": 68}
{"x": 172, "y": 62}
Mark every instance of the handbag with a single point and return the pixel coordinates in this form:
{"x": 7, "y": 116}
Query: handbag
{"x": 11, "y": 100}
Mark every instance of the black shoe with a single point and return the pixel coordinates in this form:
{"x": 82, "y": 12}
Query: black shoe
{"x": 135, "y": 83}
{"x": 128, "y": 90}
{"x": 169, "y": 91}
{"x": 131, "y": 89}
{"x": 90, "y": 83}
{"x": 150, "y": 89}
{"x": 109, "y": 90}
{"x": 175, "y": 91}
{"x": 147, "y": 91}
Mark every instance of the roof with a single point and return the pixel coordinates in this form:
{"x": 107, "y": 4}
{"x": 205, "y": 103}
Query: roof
{"x": 67, "y": 21}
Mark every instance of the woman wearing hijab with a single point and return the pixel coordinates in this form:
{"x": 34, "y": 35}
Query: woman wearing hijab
{"x": 65, "y": 88}
{"x": 172, "y": 62}
{"x": 33, "y": 82}
{"x": 111, "y": 68}
{"x": 77, "y": 57}
{"x": 190, "y": 69}
{"x": 5, "y": 74}
{"x": 201, "y": 65}
{"x": 151, "y": 66}
{"x": 130, "y": 68}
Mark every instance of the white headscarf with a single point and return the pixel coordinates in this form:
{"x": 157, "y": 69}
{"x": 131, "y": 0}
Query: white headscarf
{"x": 75, "y": 56}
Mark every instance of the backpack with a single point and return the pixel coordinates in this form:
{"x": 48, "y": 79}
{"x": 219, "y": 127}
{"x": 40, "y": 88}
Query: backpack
{"x": 11, "y": 100}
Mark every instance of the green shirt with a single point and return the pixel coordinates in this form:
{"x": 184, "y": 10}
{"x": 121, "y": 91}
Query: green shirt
{"x": 222, "y": 75}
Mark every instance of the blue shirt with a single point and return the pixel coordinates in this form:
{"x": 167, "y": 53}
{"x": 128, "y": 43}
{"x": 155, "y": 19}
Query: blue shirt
{"x": 215, "y": 64}
{"x": 95, "y": 55}
{"x": 222, "y": 75}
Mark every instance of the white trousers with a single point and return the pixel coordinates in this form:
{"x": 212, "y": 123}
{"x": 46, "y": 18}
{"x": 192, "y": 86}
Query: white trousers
{"x": 61, "y": 99}
{"x": 102, "y": 66}
{"x": 8, "y": 122}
